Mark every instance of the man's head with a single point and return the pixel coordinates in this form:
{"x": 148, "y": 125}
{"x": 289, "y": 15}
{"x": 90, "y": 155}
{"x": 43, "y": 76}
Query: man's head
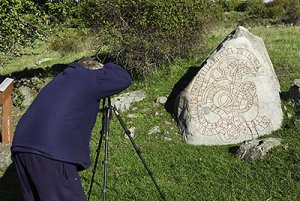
{"x": 91, "y": 63}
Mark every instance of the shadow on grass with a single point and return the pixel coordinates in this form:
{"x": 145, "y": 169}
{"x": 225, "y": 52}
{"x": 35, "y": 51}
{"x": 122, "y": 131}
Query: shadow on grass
{"x": 9, "y": 186}
{"x": 37, "y": 72}
{"x": 49, "y": 71}
{"x": 180, "y": 86}
{"x": 233, "y": 150}
{"x": 285, "y": 95}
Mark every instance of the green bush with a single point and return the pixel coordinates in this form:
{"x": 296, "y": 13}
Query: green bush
{"x": 148, "y": 33}
{"x": 287, "y": 11}
{"x": 277, "y": 11}
{"x": 21, "y": 23}
{"x": 231, "y": 5}
{"x": 292, "y": 12}
{"x": 67, "y": 13}
{"x": 256, "y": 9}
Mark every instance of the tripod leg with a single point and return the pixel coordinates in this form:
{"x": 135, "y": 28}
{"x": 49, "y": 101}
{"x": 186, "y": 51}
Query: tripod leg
{"x": 95, "y": 166}
{"x": 98, "y": 153}
{"x": 98, "y": 150}
{"x": 128, "y": 133}
{"x": 107, "y": 116}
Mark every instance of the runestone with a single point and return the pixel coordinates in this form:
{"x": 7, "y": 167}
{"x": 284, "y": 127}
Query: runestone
{"x": 226, "y": 102}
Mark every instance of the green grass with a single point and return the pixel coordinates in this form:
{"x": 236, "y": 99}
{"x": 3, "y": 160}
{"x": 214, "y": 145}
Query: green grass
{"x": 186, "y": 172}
{"x": 283, "y": 45}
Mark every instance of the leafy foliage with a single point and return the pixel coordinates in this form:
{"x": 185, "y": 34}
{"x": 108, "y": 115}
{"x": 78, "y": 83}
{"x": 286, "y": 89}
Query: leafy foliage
{"x": 278, "y": 11}
{"x": 149, "y": 33}
{"x": 256, "y": 9}
{"x": 292, "y": 11}
{"x": 22, "y": 23}
{"x": 65, "y": 12}
{"x": 231, "y": 5}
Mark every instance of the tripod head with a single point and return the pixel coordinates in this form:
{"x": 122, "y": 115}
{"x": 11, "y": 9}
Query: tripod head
{"x": 106, "y": 102}
{"x": 106, "y": 106}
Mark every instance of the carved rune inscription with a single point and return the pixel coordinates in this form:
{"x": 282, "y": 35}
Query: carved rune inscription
{"x": 222, "y": 101}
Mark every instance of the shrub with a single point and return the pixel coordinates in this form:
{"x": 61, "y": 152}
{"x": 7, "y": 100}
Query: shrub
{"x": 231, "y": 5}
{"x": 242, "y": 7}
{"x": 70, "y": 42}
{"x": 67, "y": 13}
{"x": 22, "y": 23}
{"x": 149, "y": 33}
{"x": 292, "y": 11}
{"x": 277, "y": 11}
{"x": 256, "y": 9}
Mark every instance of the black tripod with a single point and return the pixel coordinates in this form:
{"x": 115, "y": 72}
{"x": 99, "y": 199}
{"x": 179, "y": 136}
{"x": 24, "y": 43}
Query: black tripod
{"x": 107, "y": 113}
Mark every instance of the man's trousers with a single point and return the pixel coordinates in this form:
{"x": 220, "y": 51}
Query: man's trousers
{"x": 45, "y": 179}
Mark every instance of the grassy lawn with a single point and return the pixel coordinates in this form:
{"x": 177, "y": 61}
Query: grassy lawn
{"x": 186, "y": 172}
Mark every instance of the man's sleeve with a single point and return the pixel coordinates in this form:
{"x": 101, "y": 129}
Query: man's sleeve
{"x": 112, "y": 79}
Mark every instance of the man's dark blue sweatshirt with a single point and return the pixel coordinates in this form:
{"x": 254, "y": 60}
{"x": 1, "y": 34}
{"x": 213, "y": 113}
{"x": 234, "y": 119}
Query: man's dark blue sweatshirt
{"x": 59, "y": 122}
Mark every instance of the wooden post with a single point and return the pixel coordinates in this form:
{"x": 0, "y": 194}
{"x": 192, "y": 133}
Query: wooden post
{"x": 6, "y": 102}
